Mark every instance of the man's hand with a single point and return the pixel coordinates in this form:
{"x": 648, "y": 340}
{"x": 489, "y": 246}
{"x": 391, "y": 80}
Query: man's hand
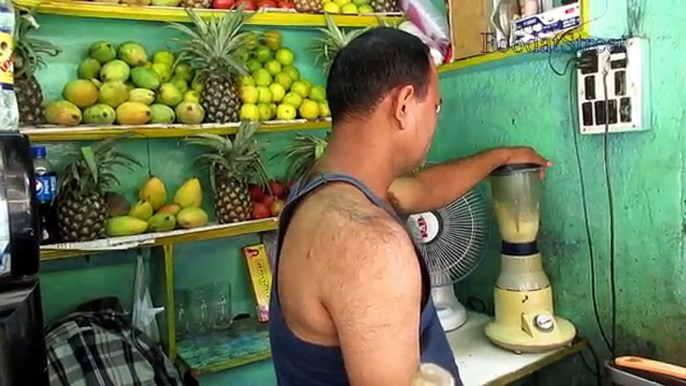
{"x": 438, "y": 185}
{"x": 525, "y": 155}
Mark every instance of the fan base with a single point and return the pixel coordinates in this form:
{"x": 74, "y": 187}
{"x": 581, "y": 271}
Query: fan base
{"x": 452, "y": 318}
{"x": 451, "y": 312}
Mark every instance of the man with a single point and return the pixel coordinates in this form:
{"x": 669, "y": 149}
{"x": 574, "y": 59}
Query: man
{"x": 351, "y": 295}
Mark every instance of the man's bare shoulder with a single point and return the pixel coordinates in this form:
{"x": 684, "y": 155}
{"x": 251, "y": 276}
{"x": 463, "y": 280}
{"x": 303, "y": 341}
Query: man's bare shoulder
{"x": 363, "y": 242}
{"x": 347, "y": 213}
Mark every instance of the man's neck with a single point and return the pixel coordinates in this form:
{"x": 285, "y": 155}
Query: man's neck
{"x": 362, "y": 154}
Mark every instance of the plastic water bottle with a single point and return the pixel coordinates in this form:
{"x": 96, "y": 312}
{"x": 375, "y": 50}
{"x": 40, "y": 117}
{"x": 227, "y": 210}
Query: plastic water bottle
{"x": 430, "y": 374}
{"x": 46, "y": 192}
{"x": 9, "y": 111}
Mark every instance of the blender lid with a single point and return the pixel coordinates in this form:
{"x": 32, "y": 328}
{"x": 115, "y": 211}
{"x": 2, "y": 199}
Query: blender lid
{"x": 515, "y": 168}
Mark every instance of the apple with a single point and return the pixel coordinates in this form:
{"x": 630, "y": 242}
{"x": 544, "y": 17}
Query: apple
{"x": 267, "y": 199}
{"x": 286, "y": 5}
{"x": 223, "y": 4}
{"x": 260, "y": 210}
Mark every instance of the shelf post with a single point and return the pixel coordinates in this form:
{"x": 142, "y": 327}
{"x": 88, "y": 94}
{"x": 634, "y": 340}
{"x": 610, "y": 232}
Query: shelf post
{"x": 169, "y": 307}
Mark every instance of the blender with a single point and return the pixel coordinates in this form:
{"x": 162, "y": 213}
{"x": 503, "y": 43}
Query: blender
{"x": 523, "y": 297}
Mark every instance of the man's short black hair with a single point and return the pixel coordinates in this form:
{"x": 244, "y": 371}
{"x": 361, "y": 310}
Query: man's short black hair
{"x": 372, "y": 65}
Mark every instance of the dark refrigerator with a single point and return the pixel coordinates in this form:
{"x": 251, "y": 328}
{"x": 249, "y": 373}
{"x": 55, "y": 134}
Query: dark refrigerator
{"x": 22, "y": 343}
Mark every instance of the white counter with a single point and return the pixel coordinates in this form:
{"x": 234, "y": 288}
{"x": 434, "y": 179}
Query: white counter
{"x": 482, "y": 363}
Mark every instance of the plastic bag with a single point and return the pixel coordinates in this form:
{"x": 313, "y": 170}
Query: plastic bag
{"x": 144, "y": 313}
{"x": 429, "y": 20}
{"x": 437, "y": 54}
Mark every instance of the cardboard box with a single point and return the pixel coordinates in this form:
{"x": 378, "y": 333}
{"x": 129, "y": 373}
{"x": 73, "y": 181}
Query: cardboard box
{"x": 469, "y": 25}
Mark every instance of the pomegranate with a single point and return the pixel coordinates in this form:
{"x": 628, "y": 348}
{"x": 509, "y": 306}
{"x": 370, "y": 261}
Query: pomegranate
{"x": 256, "y": 193}
{"x": 266, "y": 4}
{"x": 249, "y": 6}
{"x": 277, "y": 188}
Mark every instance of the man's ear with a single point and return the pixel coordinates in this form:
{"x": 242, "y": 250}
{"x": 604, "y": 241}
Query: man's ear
{"x": 402, "y": 104}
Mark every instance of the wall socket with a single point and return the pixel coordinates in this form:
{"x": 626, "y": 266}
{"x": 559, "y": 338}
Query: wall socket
{"x": 622, "y": 68}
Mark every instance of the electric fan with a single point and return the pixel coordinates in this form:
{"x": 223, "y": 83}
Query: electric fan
{"x": 452, "y": 240}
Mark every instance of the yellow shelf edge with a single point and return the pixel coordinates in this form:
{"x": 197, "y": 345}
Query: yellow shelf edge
{"x": 578, "y": 33}
{"x": 91, "y": 133}
{"x": 82, "y": 8}
{"x": 250, "y": 227}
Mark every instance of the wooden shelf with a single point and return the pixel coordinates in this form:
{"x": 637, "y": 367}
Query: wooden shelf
{"x": 112, "y": 244}
{"x": 246, "y": 341}
{"x": 90, "y": 133}
{"x": 176, "y": 14}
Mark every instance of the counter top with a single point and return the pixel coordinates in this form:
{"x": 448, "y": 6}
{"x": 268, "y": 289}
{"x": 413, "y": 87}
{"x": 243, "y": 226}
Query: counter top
{"x": 481, "y": 363}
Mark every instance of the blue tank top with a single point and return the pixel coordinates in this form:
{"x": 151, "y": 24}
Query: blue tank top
{"x": 301, "y": 363}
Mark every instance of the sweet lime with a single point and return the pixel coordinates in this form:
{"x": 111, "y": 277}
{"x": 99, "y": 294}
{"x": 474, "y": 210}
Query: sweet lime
{"x": 285, "y": 111}
{"x": 285, "y": 56}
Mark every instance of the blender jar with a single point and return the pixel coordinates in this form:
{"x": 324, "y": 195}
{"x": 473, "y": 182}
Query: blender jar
{"x": 515, "y": 191}
{"x": 516, "y": 194}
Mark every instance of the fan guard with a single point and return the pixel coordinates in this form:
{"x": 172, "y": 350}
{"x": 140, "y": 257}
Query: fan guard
{"x": 453, "y": 238}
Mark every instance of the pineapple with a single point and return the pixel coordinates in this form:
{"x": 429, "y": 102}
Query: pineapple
{"x": 334, "y": 40}
{"x": 232, "y": 164}
{"x": 385, "y": 6}
{"x": 196, "y": 3}
{"x": 308, "y": 6}
{"x": 81, "y": 205}
{"x": 302, "y": 155}
{"x": 214, "y": 50}
{"x": 28, "y": 58}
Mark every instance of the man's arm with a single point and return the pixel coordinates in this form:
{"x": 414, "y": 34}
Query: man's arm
{"x": 438, "y": 185}
{"x": 374, "y": 302}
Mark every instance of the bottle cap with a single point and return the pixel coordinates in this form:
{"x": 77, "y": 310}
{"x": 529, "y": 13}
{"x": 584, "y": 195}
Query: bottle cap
{"x": 38, "y": 151}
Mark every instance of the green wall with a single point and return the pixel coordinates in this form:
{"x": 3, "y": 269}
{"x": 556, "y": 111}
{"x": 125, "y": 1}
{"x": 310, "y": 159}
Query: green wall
{"x": 512, "y": 103}
{"x": 527, "y": 104}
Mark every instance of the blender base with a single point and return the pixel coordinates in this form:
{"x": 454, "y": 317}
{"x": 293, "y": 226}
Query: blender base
{"x": 524, "y": 322}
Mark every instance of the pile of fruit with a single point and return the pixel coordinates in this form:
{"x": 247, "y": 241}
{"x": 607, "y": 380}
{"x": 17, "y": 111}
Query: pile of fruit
{"x": 122, "y": 85}
{"x": 350, "y": 7}
{"x": 152, "y": 212}
{"x": 274, "y": 89}
{"x": 268, "y": 202}
{"x": 347, "y": 6}
{"x": 250, "y": 5}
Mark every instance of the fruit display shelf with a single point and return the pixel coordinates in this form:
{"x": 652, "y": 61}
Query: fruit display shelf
{"x": 209, "y": 232}
{"x": 270, "y": 17}
{"x": 91, "y": 133}
{"x": 246, "y": 341}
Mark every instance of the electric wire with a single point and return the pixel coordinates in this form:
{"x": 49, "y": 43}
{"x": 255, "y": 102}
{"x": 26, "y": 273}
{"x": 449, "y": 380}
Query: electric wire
{"x": 610, "y": 208}
{"x": 587, "y": 226}
{"x": 596, "y": 372}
